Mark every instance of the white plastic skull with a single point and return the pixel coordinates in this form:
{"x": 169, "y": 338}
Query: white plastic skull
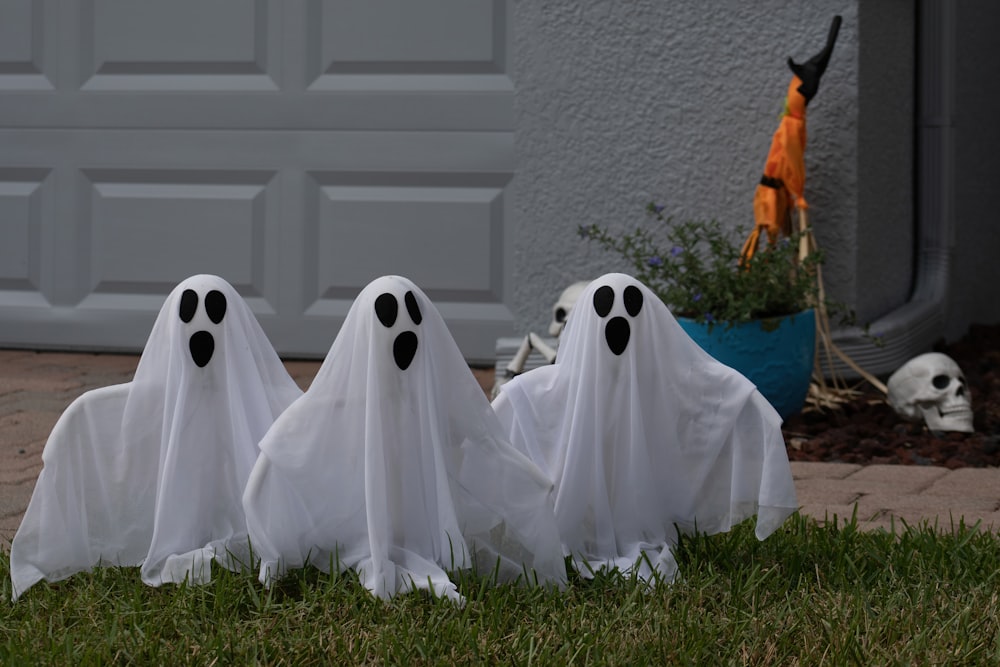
{"x": 562, "y": 307}
{"x": 932, "y": 387}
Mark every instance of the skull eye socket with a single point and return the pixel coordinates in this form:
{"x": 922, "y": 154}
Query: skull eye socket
{"x": 560, "y": 315}
{"x": 604, "y": 298}
{"x": 215, "y": 305}
{"x": 189, "y": 304}
{"x": 386, "y": 309}
{"x": 941, "y": 381}
{"x": 412, "y": 308}
{"x": 633, "y": 300}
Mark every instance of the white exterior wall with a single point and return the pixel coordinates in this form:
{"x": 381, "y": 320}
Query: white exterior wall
{"x": 617, "y": 104}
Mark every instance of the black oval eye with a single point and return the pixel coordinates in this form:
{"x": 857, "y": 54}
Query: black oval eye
{"x": 604, "y": 298}
{"x": 189, "y": 304}
{"x": 412, "y": 308}
{"x": 632, "y": 296}
{"x": 215, "y": 305}
{"x": 560, "y": 315}
{"x": 941, "y": 381}
{"x": 386, "y": 309}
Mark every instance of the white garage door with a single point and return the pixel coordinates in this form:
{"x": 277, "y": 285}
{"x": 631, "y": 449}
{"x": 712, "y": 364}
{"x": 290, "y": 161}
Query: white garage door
{"x": 298, "y": 148}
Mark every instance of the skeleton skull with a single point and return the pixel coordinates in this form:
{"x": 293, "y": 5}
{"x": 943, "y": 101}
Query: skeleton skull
{"x": 534, "y": 342}
{"x": 932, "y": 387}
{"x": 560, "y": 311}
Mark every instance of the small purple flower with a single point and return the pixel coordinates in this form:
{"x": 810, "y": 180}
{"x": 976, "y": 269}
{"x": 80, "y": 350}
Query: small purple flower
{"x": 696, "y": 297}
{"x": 658, "y": 208}
{"x": 676, "y": 250}
{"x": 655, "y": 261}
{"x": 709, "y": 317}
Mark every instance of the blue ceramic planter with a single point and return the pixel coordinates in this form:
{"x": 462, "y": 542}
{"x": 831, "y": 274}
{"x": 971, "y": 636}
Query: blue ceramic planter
{"x": 775, "y": 354}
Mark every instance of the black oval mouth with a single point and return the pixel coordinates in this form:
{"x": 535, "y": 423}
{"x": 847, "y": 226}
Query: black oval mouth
{"x": 617, "y": 332}
{"x": 404, "y": 348}
{"x": 202, "y": 345}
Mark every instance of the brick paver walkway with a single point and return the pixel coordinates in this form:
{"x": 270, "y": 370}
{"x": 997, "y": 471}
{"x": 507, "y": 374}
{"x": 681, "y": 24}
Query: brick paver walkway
{"x": 35, "y": 387}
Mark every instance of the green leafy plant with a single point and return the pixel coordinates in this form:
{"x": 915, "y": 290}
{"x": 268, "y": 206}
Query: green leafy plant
{"x": 694, "y": 267}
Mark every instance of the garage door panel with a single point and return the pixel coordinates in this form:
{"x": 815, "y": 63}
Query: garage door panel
{"x": 412, "y": 37}
{"x": 149, "y": 230}
{"x": 441, "y": 230}
{"x": 373, "y": 157}
{"x": 24, "y": 209}
{"x": 23, "y": 42}
{"x": 20, "y": 30}
{"x": 181, "y": 45}
{"x": 343, "y": 105}
{"x": 415, "y": 49}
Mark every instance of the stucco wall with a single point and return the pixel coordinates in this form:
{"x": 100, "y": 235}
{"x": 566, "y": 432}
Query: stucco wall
{"x": 618, "y": 104}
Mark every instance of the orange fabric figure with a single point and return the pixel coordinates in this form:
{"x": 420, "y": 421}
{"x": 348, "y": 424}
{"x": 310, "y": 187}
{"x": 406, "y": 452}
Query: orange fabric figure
{"x": 782, "y": 186}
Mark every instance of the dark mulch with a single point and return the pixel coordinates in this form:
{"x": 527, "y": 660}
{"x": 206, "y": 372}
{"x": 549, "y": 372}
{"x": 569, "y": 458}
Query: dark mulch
{"x": 866, "y": 430}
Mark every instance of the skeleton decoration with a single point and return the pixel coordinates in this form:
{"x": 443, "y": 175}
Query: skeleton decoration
{"x": 394, "y": 465}
{"x": 533, "y": 342}
{"x": 932, "y": 387}
{"x": 645, "y": 434}
{"x": 151, "y": 472}
{"x": 563, "y": 307}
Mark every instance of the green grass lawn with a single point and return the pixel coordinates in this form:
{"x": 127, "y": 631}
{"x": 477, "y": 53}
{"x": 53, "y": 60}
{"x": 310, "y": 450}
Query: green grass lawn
{"x": 809, "y": 594}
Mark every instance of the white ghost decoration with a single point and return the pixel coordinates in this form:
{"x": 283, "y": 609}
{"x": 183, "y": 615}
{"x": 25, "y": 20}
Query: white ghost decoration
{"x": 151, "y": 472}
{"x": 645, "y": 434}
{"x": 393, "y": 464}
{"x": 932, "y": 387}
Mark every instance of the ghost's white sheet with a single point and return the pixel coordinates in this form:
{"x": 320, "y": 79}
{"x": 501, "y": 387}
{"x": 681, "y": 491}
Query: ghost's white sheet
{"x": 393, "y": 463}
{"x": 151, "y": 473}
{"x": 648, "y": 438}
